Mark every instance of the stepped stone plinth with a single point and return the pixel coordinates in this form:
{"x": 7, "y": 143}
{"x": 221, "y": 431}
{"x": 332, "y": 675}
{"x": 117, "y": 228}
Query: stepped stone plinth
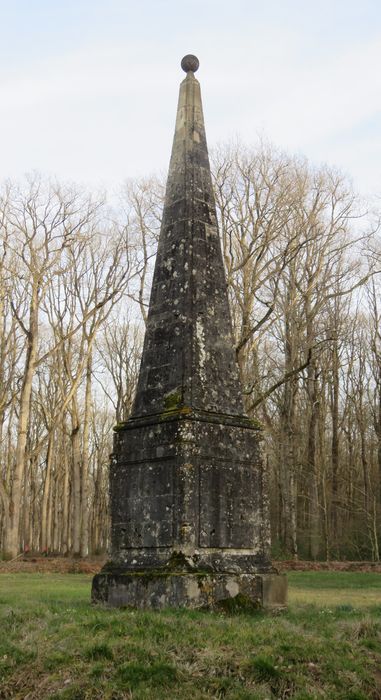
{"x": 189, "y": 508}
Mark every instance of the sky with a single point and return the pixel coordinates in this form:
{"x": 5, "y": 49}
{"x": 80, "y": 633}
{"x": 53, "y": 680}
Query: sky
{"x": 88, "y": 88}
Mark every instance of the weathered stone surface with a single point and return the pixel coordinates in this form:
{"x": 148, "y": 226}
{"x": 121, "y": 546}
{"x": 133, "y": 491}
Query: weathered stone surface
{"x": 198, "y": 590}
{"x": 189, "y": 484}
{"x": 188, "y": 356}
{"x": 189, "y": 508}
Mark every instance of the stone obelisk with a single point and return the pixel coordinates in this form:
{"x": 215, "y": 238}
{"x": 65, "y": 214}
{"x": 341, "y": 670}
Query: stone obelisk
{"x": 189, "y": 505}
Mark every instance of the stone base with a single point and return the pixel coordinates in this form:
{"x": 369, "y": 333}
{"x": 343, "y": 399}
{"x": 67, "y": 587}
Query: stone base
{"x": 158, "y": 590}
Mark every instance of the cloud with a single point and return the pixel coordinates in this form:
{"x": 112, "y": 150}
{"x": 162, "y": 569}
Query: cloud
{"x": 106, "y": 111}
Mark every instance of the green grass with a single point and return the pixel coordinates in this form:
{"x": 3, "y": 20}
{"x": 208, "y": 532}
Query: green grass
{"x": 54, "y": 644}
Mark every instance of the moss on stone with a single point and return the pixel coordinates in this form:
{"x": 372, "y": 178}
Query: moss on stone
{"x": 178, "y": 565}
{"x": 239, "y": 604}
{"x": 176, "y": 411}
{"x": 178, "y": 562}
{"x": 172, "y": 400}
{"x": 256, "y": 423}
{"x": 119, "y": 426}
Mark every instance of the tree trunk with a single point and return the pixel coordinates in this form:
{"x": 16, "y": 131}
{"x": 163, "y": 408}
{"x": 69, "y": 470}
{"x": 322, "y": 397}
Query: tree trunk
{"x": 314, "y": 519}
{"x": 85, "y": 460}
{"x": 335, "y": 438}
{"x": 44, "y": 538}
{"x": 76, "y": 481}
{"x": 65, "y": 503}
{"x": 12, "y": 532}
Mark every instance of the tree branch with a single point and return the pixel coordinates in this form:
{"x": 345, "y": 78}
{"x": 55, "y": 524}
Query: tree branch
{"x": 291, "y": 373}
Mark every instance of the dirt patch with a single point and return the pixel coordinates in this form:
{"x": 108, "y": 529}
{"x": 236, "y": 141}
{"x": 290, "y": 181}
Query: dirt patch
{"x": 52, "y": 565}
{"x": 366, "y": 566}
{"x": 91, "y": 565}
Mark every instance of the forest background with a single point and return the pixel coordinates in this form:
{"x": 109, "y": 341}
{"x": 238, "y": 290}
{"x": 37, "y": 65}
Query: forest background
{"x": 303, "y": 259}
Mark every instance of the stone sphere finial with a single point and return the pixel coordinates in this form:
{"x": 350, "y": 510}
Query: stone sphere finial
{"x": 190, "y": 63}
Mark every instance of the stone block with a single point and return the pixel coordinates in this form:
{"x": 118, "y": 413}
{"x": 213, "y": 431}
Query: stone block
{"x": 158, "y": 590}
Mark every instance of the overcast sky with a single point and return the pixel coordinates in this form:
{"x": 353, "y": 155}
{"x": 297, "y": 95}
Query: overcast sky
{"x": 88, "y": 88}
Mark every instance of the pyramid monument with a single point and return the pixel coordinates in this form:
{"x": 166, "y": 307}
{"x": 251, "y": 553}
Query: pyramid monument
{"x": 188, "y": 498}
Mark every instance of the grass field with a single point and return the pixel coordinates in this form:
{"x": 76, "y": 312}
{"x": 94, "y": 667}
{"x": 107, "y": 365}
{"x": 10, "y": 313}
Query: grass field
{"x": 53, "y": 644}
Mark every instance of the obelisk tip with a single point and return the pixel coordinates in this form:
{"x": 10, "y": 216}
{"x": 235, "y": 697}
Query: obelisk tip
{"x": 190, "y": 63}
